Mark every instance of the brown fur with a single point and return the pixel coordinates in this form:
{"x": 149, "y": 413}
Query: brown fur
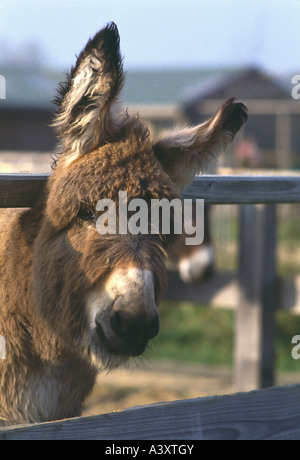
{"x": 52, "y": 257}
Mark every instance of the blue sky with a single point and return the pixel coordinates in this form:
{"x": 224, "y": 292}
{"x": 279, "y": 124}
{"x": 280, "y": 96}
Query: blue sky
{"x": 159, "y": 33}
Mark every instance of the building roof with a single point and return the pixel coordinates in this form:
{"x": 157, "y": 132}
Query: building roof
{"x": 29, "y": 87}
{"x": 249, "y": 83}
{"x": 165, "y": 86}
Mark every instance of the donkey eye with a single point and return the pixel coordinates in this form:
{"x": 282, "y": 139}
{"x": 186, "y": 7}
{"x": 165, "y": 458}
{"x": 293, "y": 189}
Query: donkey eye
{"x": 86, "y": 213}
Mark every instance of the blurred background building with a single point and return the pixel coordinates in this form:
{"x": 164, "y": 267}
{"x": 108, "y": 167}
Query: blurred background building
{"x": 270, "y": 139}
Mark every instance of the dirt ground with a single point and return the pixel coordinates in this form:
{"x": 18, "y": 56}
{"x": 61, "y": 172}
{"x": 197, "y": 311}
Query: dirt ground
{"x": 152, "y": 382}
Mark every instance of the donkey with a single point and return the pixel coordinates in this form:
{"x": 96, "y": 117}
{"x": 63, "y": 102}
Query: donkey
{"x": 73, "y": 301}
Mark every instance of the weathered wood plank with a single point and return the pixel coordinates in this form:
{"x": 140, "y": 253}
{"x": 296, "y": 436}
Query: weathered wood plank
{"x": 254, "y": 331}
{"x": 289, "y": 294}
{"x": 21, "y": 190}
{"x": 245, "y": 189}
{"x": 270, "y": 414}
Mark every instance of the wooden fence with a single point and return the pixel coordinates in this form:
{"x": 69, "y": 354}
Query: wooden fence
{"x": 273, "y": 413}
{"x": 270, "y": 414}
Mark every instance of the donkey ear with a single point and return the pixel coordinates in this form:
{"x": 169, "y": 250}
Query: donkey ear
{"x": 84, "y": 100}
{"x": 184, "y": 152}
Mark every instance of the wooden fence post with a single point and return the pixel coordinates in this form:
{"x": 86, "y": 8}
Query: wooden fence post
{"x": 254, "y": 339}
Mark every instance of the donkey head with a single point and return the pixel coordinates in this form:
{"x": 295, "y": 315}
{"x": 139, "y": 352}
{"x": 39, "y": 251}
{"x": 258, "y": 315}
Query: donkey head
{"x": 100, "y": 292}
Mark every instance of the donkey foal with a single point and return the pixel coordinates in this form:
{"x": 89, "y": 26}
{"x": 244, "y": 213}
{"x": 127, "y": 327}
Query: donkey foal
{"x": 73, "y": 301}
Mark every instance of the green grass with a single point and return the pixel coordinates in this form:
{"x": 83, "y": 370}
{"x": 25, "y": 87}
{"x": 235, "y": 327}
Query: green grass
{"x": 199, "y": 334}
{"x": 288, "y": 231}
{"x": 288, "y": 243}
{"x": 286, "y": 327}
{"x": 194, "y": 333}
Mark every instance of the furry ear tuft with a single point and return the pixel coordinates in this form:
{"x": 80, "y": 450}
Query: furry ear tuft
{"x": 83, "y": 119}
{"x": 184, "y": 152}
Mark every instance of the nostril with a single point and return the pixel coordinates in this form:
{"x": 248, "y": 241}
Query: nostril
{"x": 133, "y": 324}
{"x": 116, "y": 322}
{"x": 124, "y": 323}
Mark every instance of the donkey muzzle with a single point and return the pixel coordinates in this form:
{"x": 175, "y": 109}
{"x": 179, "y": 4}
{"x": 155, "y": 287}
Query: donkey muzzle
{"x": 125, "y": 312}
{"x": 134, "y": 323}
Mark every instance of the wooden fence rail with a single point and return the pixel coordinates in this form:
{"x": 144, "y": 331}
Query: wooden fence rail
{"x": 270, "y": 414}
{"x": 20, "y": 190}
